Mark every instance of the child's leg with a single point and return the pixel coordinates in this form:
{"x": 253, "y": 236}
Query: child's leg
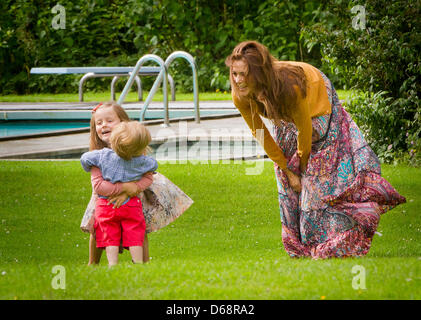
{"x": 112, "y": 255}
{"x": 107, "y": 230}
{"x": 145, "y": 249}
{"x": 137, "y": 254}
{"x": 94, "y": 252}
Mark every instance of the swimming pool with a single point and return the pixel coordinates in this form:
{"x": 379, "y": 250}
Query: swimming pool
{"x": 29, "y": 123}
{"x": 23, "y": 128}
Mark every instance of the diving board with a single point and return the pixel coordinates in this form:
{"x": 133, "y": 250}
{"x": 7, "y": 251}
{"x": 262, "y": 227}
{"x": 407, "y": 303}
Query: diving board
{"x": 98, "y": 72}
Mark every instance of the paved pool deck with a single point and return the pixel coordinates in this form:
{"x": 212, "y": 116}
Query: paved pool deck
{"x": 82, "y": 110}
{"x": 217, "y": 126}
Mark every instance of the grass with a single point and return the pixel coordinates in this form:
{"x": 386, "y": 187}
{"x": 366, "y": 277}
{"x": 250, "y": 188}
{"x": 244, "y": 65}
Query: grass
{"x": 226, "y": 246}
{"x": 131, "y": 97}
{"x": 105, "y": 96}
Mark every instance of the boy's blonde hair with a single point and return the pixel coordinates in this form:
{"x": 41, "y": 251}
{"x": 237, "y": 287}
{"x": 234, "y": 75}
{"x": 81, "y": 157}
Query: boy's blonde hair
{"x": 130, "y": 139}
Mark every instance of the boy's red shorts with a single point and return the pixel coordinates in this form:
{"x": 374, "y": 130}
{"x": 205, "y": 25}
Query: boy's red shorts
{"x": 126, "y": 223}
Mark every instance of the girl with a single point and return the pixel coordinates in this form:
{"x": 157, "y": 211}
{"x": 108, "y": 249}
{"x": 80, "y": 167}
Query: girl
{"x": 104, "y": 118}
{"x": 330, "y": 189}
{"x": 125, "y": 162}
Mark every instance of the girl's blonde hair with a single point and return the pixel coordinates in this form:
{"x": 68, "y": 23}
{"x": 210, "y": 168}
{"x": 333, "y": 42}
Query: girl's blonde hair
{"x": 95, "y": 143}
{"x": 130, "y": 139}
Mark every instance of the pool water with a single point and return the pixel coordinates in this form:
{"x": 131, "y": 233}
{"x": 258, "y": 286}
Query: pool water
{"x": 28, "y": 126}
{"x": 19, "y": 128}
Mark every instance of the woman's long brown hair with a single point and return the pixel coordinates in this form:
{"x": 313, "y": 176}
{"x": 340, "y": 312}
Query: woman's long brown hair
{"x": 95, "y": 143}
{"x": 273, "y": 82}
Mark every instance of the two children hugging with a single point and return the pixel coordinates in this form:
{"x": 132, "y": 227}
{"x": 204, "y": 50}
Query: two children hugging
{"x": 126, "y": 161}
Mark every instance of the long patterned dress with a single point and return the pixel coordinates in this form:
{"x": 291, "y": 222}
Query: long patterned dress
{"x": 343, "y": 194}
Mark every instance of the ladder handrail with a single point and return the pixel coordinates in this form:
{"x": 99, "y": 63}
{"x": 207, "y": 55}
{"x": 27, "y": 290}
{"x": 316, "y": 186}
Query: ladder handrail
{"x": 162, "y": 74}
{"x": 187, "y": 56}
{"x": 168, "y": 61}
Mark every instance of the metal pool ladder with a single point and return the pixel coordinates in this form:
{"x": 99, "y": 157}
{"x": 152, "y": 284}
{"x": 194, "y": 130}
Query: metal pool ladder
{"x": 163, "y": 76}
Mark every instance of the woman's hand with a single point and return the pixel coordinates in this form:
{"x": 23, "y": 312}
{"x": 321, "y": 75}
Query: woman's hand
{"x": 294, "y": 180}
{"x": 118, "y": 200}
{"x": 303, "y": 167}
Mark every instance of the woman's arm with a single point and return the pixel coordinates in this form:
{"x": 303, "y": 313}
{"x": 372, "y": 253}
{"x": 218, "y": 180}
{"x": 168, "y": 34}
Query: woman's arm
{"x": 271, "y": 148}
{"x": 261, "y": 133}
{"x": 302, "y": 120}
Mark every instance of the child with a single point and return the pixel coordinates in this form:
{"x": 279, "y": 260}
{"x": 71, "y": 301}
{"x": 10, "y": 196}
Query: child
{"x": 105, "y": 116}
{"x": 125, "y": 162}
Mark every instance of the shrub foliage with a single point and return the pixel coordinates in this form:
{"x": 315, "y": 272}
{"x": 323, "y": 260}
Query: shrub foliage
{"x": 375, "y": 48}
{"x": 119, "y": 32}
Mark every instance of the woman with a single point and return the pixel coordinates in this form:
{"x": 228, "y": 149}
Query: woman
{"x": 331, "y": 192}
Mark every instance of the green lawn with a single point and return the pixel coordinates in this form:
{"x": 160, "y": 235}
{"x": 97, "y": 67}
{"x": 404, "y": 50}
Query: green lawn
{"x": 131, "y": 97}
{"x": 226, "y": 246}
{"x": 105, "y": 96}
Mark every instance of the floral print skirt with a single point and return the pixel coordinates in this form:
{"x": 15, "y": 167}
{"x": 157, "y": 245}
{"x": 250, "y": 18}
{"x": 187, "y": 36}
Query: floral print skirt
{"x": 162, "y": 203}
{"x": 343, "y": 194}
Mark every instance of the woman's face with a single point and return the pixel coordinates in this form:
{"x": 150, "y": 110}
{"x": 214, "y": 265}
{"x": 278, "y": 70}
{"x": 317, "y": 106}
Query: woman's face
{"x": 105, "y": 120}
{"x": 240, "y": 76}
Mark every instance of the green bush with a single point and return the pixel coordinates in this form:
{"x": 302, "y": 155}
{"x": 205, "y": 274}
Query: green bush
{"x": 381, "y": 58}
{"x": 92, "y": 31}
{"x": 119, "y": 32}
{"x": 383, "y": 127}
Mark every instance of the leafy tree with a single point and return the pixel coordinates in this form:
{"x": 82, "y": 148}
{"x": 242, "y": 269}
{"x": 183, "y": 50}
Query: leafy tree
{"x": 375, "y": 48}
{"x": 119, "y": 32}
